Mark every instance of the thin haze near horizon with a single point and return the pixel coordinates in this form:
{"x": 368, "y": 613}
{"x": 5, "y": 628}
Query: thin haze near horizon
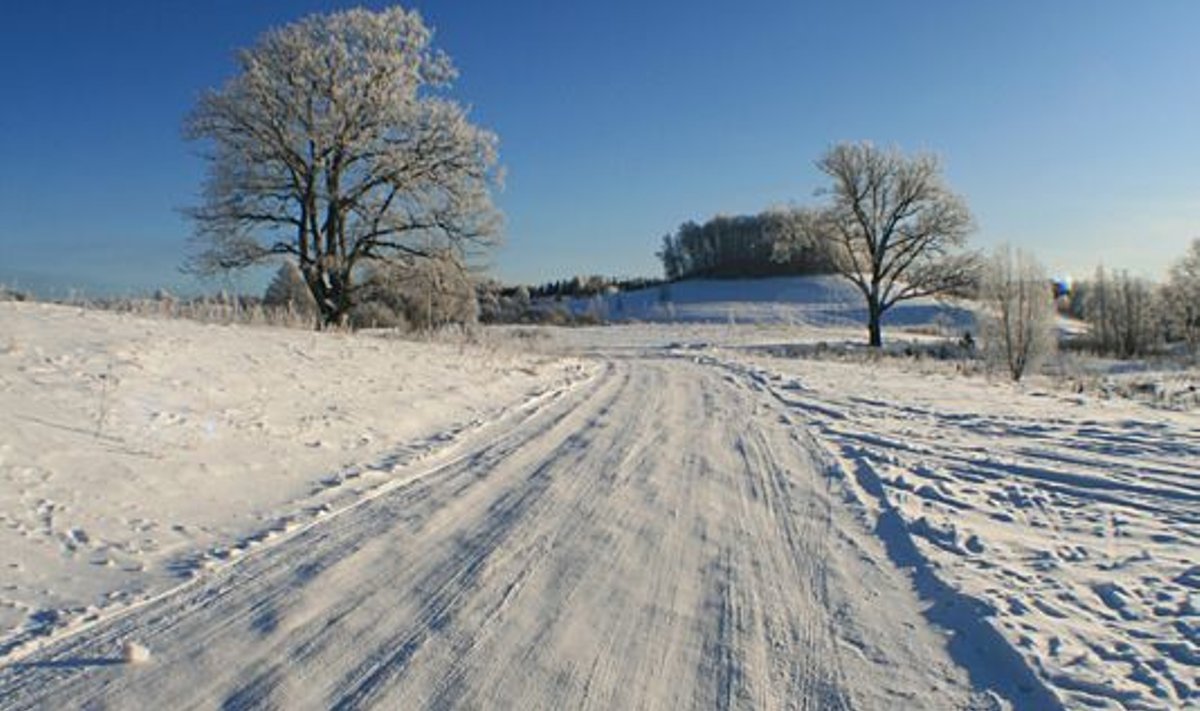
{"x": 1070, "y": 127}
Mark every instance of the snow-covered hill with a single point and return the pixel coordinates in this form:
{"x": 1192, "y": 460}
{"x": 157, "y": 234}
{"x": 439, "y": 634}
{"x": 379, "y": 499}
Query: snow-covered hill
{"x": 809, "y": 300}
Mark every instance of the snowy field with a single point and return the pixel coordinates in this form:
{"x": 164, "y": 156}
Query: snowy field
{"x": 661, "y": 515}
{"x": 1069, "y": 524}
{"x": 135, "y": 452}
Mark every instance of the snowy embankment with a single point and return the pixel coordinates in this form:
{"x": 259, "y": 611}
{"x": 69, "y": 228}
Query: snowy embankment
{"x": 134, "y": 452}
{"x": 1068, "y": 524}
{"x": 810, "y": 300}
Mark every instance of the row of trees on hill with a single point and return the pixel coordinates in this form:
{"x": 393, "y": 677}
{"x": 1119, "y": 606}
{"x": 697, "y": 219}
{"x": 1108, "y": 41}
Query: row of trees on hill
{"x": 582, "y": 287}
{"x": 739, "y": 247}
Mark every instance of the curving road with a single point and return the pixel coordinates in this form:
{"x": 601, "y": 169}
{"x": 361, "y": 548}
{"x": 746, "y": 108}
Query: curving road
{"x": 661, "y": 537}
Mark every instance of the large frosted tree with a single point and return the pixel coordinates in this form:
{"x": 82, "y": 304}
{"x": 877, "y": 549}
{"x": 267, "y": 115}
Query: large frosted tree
{"x": 334, "y": 145}
{"x": 891, "y": 226}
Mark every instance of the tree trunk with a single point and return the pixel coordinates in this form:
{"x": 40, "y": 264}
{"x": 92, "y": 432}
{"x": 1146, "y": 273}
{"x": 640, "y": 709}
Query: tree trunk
{"x": 339, "y": 298}
{"x": 314, "y": 276}
{"x": 874, "y": 328}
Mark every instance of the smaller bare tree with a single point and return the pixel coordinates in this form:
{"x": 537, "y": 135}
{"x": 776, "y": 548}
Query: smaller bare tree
{"x": 1016, "y": 316}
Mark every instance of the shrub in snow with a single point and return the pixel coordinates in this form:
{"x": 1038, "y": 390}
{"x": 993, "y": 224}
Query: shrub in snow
{"x": 427, "y": 294}
{"x": 8, "y": 294}
{"x": 376, "y": 314}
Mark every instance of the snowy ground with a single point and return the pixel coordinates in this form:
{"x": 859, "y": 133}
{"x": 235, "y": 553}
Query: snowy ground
{"x": 135, "y": 452}
{"x": 652, "y": 515}
{"x": 1068, "y": 523}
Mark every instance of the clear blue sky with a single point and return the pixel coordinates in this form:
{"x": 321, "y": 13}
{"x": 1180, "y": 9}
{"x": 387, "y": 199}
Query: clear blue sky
{"x": 1072, "y": 127}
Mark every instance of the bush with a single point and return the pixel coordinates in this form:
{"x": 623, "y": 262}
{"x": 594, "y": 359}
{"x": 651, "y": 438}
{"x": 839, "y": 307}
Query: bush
{"x": 426, "y": 295}
{"x": 7, "y": 294}
{"x": 376, "y": 314}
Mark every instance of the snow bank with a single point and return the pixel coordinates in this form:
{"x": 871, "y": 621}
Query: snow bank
{"x": 134, "y": 452}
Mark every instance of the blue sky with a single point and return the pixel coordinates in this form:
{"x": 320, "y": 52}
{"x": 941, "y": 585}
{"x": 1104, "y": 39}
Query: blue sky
{"x": 1072, "y": 127}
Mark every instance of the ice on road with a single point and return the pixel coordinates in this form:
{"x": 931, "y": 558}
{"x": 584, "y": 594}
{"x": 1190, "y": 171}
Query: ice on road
{"x": 657, "y": 537}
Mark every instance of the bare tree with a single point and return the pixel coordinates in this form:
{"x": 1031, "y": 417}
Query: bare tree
{"x": 1181, "y": 297}
{"x": 891, "y": 227}
{"x": 332, "y": 146}
{"x": 1017, "y": 312}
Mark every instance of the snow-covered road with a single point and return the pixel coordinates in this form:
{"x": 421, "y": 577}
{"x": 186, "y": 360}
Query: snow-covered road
{"x": 658, "y": 536}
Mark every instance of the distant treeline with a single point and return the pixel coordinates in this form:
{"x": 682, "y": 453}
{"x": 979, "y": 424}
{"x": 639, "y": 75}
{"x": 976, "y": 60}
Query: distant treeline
{"x": 586, "y": 286}
{"x": 739, "y": 247}
{"x": 546, "y": 303}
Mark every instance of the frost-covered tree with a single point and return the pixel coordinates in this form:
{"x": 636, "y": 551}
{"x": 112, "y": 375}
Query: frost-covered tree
{"x": 333, "y": 146}
{"x": 1181, "y": 297}
{"x": 1123, "y": 313}
{"x": 1016, "y": 318}
{"x": 891, "y": 227}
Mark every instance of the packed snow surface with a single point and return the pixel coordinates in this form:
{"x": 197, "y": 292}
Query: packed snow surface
{"x": 653, "y": 516}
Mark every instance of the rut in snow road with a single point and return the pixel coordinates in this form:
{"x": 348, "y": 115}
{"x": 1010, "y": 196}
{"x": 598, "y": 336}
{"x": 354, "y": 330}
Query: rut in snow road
{"x": 659, "y": 538}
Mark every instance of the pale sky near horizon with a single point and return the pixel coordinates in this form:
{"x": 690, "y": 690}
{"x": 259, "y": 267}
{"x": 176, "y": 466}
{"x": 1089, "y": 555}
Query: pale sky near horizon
{"x": 1072, "y": 127}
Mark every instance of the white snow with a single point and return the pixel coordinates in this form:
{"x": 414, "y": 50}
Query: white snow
{"x": 1072, "y": 521}
{"x": 657, "y": 514}
{"x": 135, "y": 452}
